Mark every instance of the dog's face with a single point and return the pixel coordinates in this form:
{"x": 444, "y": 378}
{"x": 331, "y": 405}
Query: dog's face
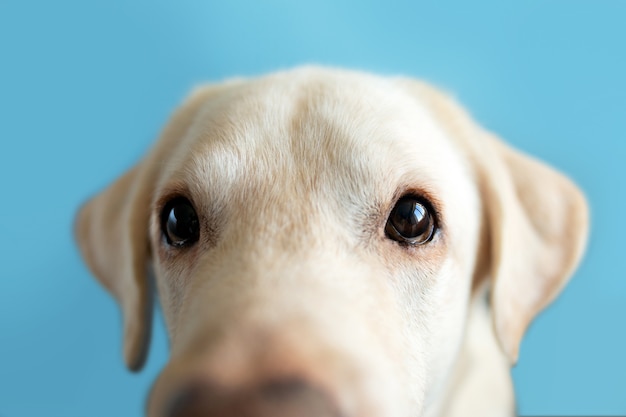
{"x": 316, "y": 237}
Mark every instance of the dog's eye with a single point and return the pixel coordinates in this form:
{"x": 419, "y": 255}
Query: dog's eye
{"x": 179, "y": 223}
{"x": 410, "y": 222}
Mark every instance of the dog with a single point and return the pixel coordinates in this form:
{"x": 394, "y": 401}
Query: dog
{"x": 327, "y": 242}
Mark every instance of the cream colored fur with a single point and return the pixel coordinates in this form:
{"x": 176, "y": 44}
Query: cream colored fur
{"x": 293, "y": 176}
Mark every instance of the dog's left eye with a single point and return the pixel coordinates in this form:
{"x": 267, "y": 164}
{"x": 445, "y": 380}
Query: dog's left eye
{"x": 410, "y": 222}
{"x": 179, "y": 223}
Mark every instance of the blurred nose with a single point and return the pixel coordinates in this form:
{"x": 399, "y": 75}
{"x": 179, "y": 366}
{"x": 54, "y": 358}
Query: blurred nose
{"x": 277, "y": 398}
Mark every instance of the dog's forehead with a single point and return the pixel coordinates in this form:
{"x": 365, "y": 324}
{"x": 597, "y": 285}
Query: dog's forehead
{"x": 357, "y": 137}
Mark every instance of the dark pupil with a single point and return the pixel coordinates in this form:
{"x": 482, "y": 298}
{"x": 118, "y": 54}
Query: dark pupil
{"x": 182, "y": 223}
{"x": 410, "y": 218}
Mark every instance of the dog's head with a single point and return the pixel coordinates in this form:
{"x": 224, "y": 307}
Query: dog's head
{"x": 316, "y": 237}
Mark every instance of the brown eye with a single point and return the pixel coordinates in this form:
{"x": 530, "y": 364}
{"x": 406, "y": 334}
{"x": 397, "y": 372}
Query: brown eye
{"x": 410, "y": 222}
{"x": 179, "y": 223}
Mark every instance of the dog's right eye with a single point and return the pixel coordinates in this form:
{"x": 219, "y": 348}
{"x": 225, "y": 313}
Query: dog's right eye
{"x": 179, "y": 223}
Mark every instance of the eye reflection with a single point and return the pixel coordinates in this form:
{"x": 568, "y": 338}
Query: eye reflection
{"x": 179, "y": 223}
{"x": 410, "y": 222}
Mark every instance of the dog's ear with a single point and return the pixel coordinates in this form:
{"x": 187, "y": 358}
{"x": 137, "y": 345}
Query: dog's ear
{"x": 538, "y": 225}
{"x": 536, "y": 221}
{"x": 112, "y": 232}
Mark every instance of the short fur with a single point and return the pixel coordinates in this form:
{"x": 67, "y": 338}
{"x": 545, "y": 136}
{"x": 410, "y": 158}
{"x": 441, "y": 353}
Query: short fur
{"x": 293, "y": 176}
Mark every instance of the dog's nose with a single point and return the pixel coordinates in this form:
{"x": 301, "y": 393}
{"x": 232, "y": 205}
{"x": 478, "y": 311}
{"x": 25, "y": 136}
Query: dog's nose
{"x": 278, "y": 398}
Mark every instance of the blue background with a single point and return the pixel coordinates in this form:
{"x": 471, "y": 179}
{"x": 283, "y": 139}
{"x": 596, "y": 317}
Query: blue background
{"x": 86, "y": 86}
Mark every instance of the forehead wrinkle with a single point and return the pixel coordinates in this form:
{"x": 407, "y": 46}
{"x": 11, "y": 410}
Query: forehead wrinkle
{"x": 225, "y": 141}
{"x": 334, "y": 133}
{"x": 368, "y": 140}
{"x": 211, "y": 119}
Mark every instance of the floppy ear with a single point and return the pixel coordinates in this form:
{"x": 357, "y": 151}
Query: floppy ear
{"x": 536, "y": 218}
{"x": 111, "y": 230}
{"x": 538, "y": 222}
{"x": 112, "y": 233}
